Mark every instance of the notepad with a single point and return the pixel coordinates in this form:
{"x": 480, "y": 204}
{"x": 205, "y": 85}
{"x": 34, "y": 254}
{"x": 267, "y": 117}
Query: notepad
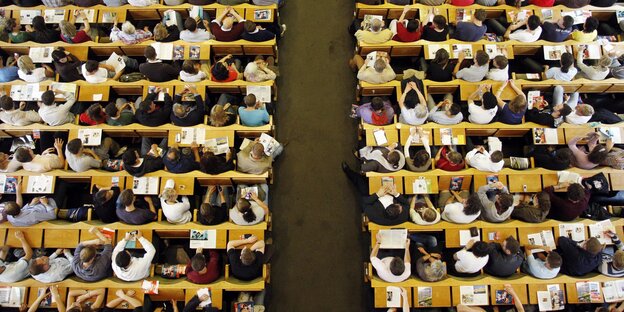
{"x": 393, "y": 239}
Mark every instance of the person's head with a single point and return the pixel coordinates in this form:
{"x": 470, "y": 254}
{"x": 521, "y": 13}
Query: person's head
{"x": 563, "y": 156}
{"x": 421, "y": 158}
{"x": 496, "y": 156}
{"x": 453, "y": 109}
{"x": 533, "y": 22}
{"x": 47, "y": 98}
{"x": 511, "y": 246}
{"x": 219, "y": 116}
{"x": 584, "y": 110}
{"x": 208, "y": 212}
{"x": 397, "y": 266}
{"x": 567, "y": 60}
{"x": 6, "y": 103}
{"x": 247, "y": 257}
{"x": 543, "y": 201}
{"x": 503, "y": 202}
{"x": 147, "y": 106}
{"x": 25, "y": 64}
{"x": 380, "y": 65}
{"x": 553, "y": 260}
{"x": 23, "y": 154}
{"x": 59, "y": 56}
{"x": 103, "y": 196}
{"x": 598, "y": 154}
{"x": 435, "y": 270}
{"x": 198, "y": 263}
{"x": 489, "y": 100}
{"x": 257, "y": 151}
{"x": 377, "y": 104}
{"x": 480, "y": 249}
{"x": 593, "y": 246}
{"x": 249, "y": 26}
{"x": 87, "y": 254}
{"x": 439, "y": 22}
{"x": 376, "y": 25}
{"x": 160, "y": 32}
{"x": 111, "y": 109}
{"x": 173, "y": 154}
{"x": 518, "y": 104}
{"x": 566, "y": 22}
{"x": 169, "y": 194}
{"x": 181, "y": 111}
{"x": 96, "y": 113}
{"x": 11, "y": 25}
{"x": 38, "y": 24}
{"x": 123, "y": 258}
{"x": 250, "y": 100}
{"x": 244, "y": 207}
{"x": 482, "y": 58}
{"x": 591, "y": 24}
{"x": 618, "y": 260}
{"x": 472, "y": 205}
{"x": 190, "y": 24}
{"x": 12, "y": 208}
{"x": 479, "y": 15}
{"x": 500, "y": 62}
{"x": 74, "y": 146}
{"x": 128, "y": 28}
{"x": 130, "y": 157}
{"x": 126, "y": 198}
{"x": 220, "y": 71}
{"x": 393, "y": 211}
{"x": 67, "y": 29}
{"x": 92, "y": 66}
{"x": 227, "y": 23}
{"x": 428, "y": 214}
{"x": 575, "y": 192}
{"x": 441, "y": 57}
{"x": 394, "y": 158}
{"x": 189, "y": 67}
{"x": 561, "y": 110}
{"x": 150, "y": 53}
{"x": 604, "y": 62}
{"x": 79, "y": 307}
{"x": 454, "y": 157}
{"x": 421, "y": 111}
{"x": 413, "y": 25}
{"x": 39, "y": 265}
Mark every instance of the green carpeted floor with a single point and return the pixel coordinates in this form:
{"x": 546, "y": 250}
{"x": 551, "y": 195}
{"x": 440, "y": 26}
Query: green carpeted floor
{"x": 316, "y": 225}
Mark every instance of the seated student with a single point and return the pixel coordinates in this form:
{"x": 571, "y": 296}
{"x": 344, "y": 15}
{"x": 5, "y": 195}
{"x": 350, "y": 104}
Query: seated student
{"x": 459, "y": 207}
{"x": 470, "y": 259}
{"x": 579, "y": 259}
{"x": 540, "y": 265}
{"x": 105, "y": 201}
{"x": 28, "y": 72}
{"x": 191, "y": 71}
{"x": 423, "y": 212}
{"x": 429, "y": 266}
{"x": 405, "y": 30}
{"x": 128, "y": 34}
{"x": 477, "y": 71}
{"x": 597, "y": 152}
{"x": 223, "y": 27}
{"x": 192, "y": 33}
{"x": 94, "y": 72}
{"x": 473, "y": 30}
{"x": 544, "y": 115}
{"x": 246, "y": 263}
{"x": 82, "y": 159}
{"x": 421, "y": 161}
{"x": 45, "y": 162}
{"x": 437, "y": 30}
{"x": 82, "y": 300}
{"x": 163, "y": 33}
{"x": 581, "y": 114}
{"x": 90, "y": 265}
{"x": 380, "y": 72}
{"x": 413, "y": 111}
{"x": 381, "y": 159}
{"x": 70, "y": 34}
{"x": 500, "y": 68}
{"x": 51, "y": 269}
{"x": 94, "y": 115}
{"x": 260, "y": 70}
{"x": 40, "y": 32}
{"x": 224, "y": 112}
{"x": 250, "y": 208}
{"x": 254, "y": 114}
{"x": 188, "y": 113}
{"x": 551, "y": 158}
{"x": 215, "y": 164}
{"x": 449, "y": 160}
{"x": 176, "y": 212}
{"x": 253, "y": 159}
{"x": 600, "y": 71}
{"x": 257, "y": 33}
{"x": 482, "y": 160}
{"x": 612, "y": 258}
{"x": 570, "y": 207}
{"x": 374, "y": 33}
{"x": 67, "y": 65}
{"x": 130, "y": 268}
{"x": 152, "y": 115}
{"x": 120, "y": 113}
{"x": 449, "y": 115}
{"x": 155, "y": 70}
{"x": 8, "y": 72}
{"x": 151, "y": 161}
{"x": 214, "y": 209}
{"x": 377, "y": 112}
{"x": 13, "y": 31}
{"x": 484, "y": 113}
{"x": 201, "y": 270}
{"x": 226, "y": 69}
{"x": 391, "y": 269}
{"x": 558, "y": 31}
{"x": 181, "y": 161}
{"x": 11, "y": 272}
{"x": 589, "y": 32}
{"x": 566, "y": 72}
{"x": 505, "y": 257}
{"x": 532, "y": 208}
{"x": 16, "y": 116}
{"x": 440, "y": 68}
{"x": 131, "y": 210}
{"x": 532, "y": 32}
{"x": 513, "y": 112}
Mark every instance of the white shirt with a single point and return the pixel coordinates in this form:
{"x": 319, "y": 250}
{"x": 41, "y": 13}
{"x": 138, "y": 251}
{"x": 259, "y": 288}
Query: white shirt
{"x": 467, "y": 262}
{"x": 18, "y": 117}
{"x": 98, "y": 77}
{"x": 382, "y": 266}
{"x": 186, "y": 77}
{"x": 43, "y": 163}
{"x": 58, "y": 114}
{"x": 139, "y": 268}
{"x": 14, "y": 271}
{"x": 537, "y": 268}
{"x": 408, "y": 116}
{"x": 59, "y": 269}
{"x": 141, "y": 3}
{"x": 525, "y": 35}
{"x": 237, "y": 216}
{"x": 557, "y": 74}
{"x": 454, "y": 212}
{"x": 81, "y": 163}
{"x": 441, "y": 118}
{"x": 480, "y": 115}
{"x": 37, "y": 75}
{"x": 196, "y": 36}
{"x": 498, "y": 74}
{"x": 482, "y": 162}
{"x": 177, "y": 213}
{"x": 254, "y": 74}
{"x": 575, "y": 119}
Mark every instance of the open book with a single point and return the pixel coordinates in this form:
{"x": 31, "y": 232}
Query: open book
{"x": 26, "y": 16}
{"x": 367, "y": 21}
{"x": 613, "y": 291}
{"x": 53, "y": 16}
{"x": 41, "y": 55}
{"x": 393, "y": 297}
{"x": 573, "y": 231}
{"x": 262, "y": 93}
{"x": 41, "y": 184}
{"x": 64, "y": 87}
{"x": 26, "y": 92}
{"x": 12, "y": 296}
{"x": 545, "y": 136}
{"x": 569, "y": 177}
{"x": 551, "y": 299}
{"x": 433, "y": 48}
{"x": 116, "y": 61}
{"x": 90, "y": 137}
{"x": 579, "y": 15}
{"x": 474, "y": 295}
{"x": 206, "y": 239}
{"x": 218, "y": 146}
{"x": 164, "y": 50}
{"x": 269, "y": 143}
{"x": 204, "y": 292}
{"x": 533, "y": 97}
{"x": 145, "y": 185}
{"x": 592, "y": 51}
{"x": 465, "y": 236}
{"x": 553, "y": 53}
{"x": 598, "y": 230}
{"x": 467, "y": 48}
{"x": 588, "y": 292}
{"x": 543, "y": 238}
{"x": 421, "y": 186}
{"x": 190, "y": 135}
{"x": 494, "y": 50}
{"x": 393, "y": 239}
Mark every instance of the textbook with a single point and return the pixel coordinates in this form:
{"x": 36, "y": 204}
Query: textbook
{"x": 170, "y": 18}
{"x": 614, "y": 133}
{"x": 217, "y": 146}
{"x": 116, "y": 61}
{"x": 12, "y": 296}
{"x": 90, "y": 137}
{"x": 26, "y": 16}
{"x": 494, "y": 50}
{"x": 189, "y": 135}
{"x": 588, "y": 292}
{"x": 425, "y": 296}
{"x": 613, "y": 291}
{"x": 53, "y": 16}
{"x": 41, "y": 55}
{"x": 262, "y": 93}
{"x": 204, "y": 292}
{"x": 569, "y": 177}
{"x": 551, "y": 299}
{"x": 467, "y": 48}
{"x": 553, "y": 53}
{"x": 519, "y": 16}
{"x": 598, "y": 230}
{"x": 573, "y": 231}
{"x": 545, "y": 136}
{"x": 26, "y": 92}
{"x": 503, "y": 297}
{"x": 64, "y": 87}
{"x": 466, "y": 235}
{"x": 543, "y": 238}
{"x": 579, "y": 15}
{"x": 473, "y": 295}
{"x": 164, "y": 50}
{"x": 393, "y": 297}
{"x": 41, "y": 184}
{"x": 380, "y": 137}
{"x": 393, "y": 239}
{"x": 8, "y": 184}
{"x": 456, "y": 183}
{"x": 145, "y": 185}
{"x": 206, "y": 239}
{"x": 433, "y": 48}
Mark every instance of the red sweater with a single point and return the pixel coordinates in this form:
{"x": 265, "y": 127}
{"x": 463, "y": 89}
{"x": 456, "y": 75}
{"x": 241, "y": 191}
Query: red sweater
{"x": 563, "y": 209}
{"x": 445, "y": 164}
{"x": 212, "y": 271}
{"x": 542, "y": 3}
{"x": 405, "y": 36}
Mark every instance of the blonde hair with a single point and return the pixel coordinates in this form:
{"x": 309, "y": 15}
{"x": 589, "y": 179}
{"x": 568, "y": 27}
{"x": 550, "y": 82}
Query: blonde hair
{"x": 604, "y": 62}
{"x": 169, "y": 194}
{"x": 25, "y": 64}
{"x": 160, "y": 32}
{"x": 67, "y": 29}
{"x": 219, "y": 116}
{"x": 518, "y": 104}
{"x": 618, "y": 260}
{"x": 128, "y": 28}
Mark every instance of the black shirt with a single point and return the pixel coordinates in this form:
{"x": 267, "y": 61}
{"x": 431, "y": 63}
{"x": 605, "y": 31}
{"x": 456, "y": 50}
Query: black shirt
{"x": 430, "y": 34}
{"x": 501, "y": 264}
{"x": 194, "y": 117}
{"x": 245, "y": 272}
{"x": 576, "y": 260}
{"x": 436, "y": 72}
{"x": 173, "y": 34}
{"x": 374, "y": 210}
{"x": 69, "y": 71}
{"x": 216, "y": 164}
{"x": 149, "y": 164}
{"x": 553, "y": 33}
{"x": 542, "y": 117}
{"x": 260, "y": 35}
{"x": 545, "y": 159}
{"x": 159, "y": 72}
{"x": 106, "y": 211}
{"x": 221, "y": 215}
{"x": 46, "y": 36}
{"x": 158, "y": 117}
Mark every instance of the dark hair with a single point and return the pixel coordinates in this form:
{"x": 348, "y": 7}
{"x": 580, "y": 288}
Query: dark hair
{"x": 190, "y": 24}
{"x": 210, "y": 163}
{"x": 74, "y": 146}
{"x": 441, "y": 57}
{"x": 189, "y": 67}
{"x": 554, "y": 259}
{"x": 413, "y": 25}
{"x": 480, "y": 14}
{"x": 565, "y": 110}
{"x": 92, "y": 66}
{"x": 567, "y": 61}
{"x": 38, "y": 23}
{"x": 126, "y": 197}
{"x": 489, "y": 100}
{"x": 47, "y": 97}
{"x": 454, "y": 109}
{"x": 568, "y": 21}
{"x": 95, "y": 113}
{"x": 220, "y": 71}
{"x": 533, "y": 22}
{"x": 122, "y": 259}
{"x": 397, "y": 266}
{"x": 480, "y": 249}
{"x": 440, "y": 21}
{"x": 496, "y": 156}
{"x": 175, "y": 151}
{"x": 597, "y": 154}
{"x": 100, "y": 197}
{"x": 563, "y": 156}
{"x": 501, "y": 61}
{"x": 58, "y": 54}
{"x": 591, "y": 24}
{"x": 207, "y": 212}
{"x": 482, "y": 58}
{"x": 377, "y": 103}
{"x": 394, "y": 159}
{"x": 593, "y": 246}
{"x": 150, "y": 53}
{"x": 543, "y": 200}
{"x": 198, "y": 262}
{"x": 393, "y": 211}
{"x": 473, "y": 205}
{"x": 129, "y": 157}
{"x": 111, "y": 109}
{"x": 250, "y": 100}
{"x": 576, "y": 192}
{"x": 512, "y": 245}
{"x": 6, "y": 103}
{"x": 421, "y": 158}
{"x": 244, "y": 207}
{"x": 249, "y": 26}
{"x": 9, "y": 24}
{"x": 34, "y": 268}
{"x": 22, "y": 154}
{"x": 504, "y": 202}
{"x": 12, "y": 208}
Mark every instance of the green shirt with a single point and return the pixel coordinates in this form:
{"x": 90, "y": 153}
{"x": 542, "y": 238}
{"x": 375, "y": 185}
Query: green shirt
{"x": 20, "y": 37}
{"x": 125, "y": 118}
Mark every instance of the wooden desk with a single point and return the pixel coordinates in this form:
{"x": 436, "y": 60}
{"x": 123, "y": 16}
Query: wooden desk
{"x": 444, "y": 183}
{"x": 457, "y": 294}
{"x": 374, "y": 183}
{"x": 483, "y": 179}
{"x": 571, "y": 133}
{"x": 3, "y": 234}
{"x": 130, "y": 185}
{"x": 519, "y": 289}
{"x": 122, "y": 233}
{"x": 381, "y": 297}
{"x": 452, "y": 237}
{"x": 557, "y": 233}
{"x": 458, "y": 136}
{"x": 60, "y": 238}
{"x": 432, "y": 184}
{"x": 86, "y": 235}
{"x": 95, "y": 93}
{"x": 525, "y": 183}
{"x": 34, "y": 293}
{"x": 104, "y": 181}
{"x": 534, "y": 288}
{"x": 616, "y": 181}
{"x": 523, "y": 233}
{"x": 404, "y": 133}
{"x": 166, "y": 294}
{"x": 392, "y": 135}
{"x": 183, "y": 185}
{"x": 441, "y": 297}
{"x": 34, "y": 237}
{"x": 505, "y": 232}
{"x": 25, "y": 186}
{"x": 238, "y": 234}
{"x": 210, "y": 134}
{"x": 250, "y": 15}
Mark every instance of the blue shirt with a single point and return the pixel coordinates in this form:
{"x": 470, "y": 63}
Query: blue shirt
{"x": 8, "y": 74}
{"x": 537, "y": 268}
{"x": 254, "y": 118}
{"x": 468, "y": 31}
{"x": 509, "y": 117}
{"x": 185, "y": 164}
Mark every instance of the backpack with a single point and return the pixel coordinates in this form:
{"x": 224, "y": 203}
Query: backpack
{"x": 596, "y": 212}
{"x": 131, "y": 77}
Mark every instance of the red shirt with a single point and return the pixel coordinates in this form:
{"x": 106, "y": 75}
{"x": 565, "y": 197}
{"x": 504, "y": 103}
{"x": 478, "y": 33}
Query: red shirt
{"x": 232, "y": 75}
{"x": 84, "y": 118}
{"x": 80, "y": 36}
{"x": 231, "y": 35}
{"x": 405, "y": 36}
{"x": 445, "y": 164}
{"x": 542, "y": 3}
{"x": 212, "y": 271}
{"x": 462, "y": 2}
